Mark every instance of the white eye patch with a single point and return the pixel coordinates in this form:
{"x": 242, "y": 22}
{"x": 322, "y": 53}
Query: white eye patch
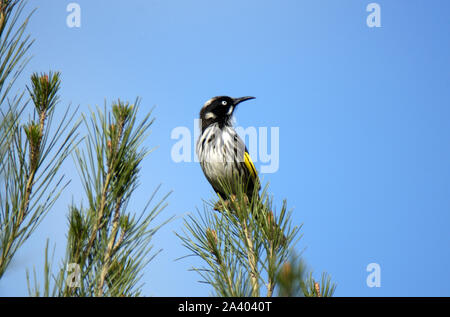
{"x": 210, "y": 115}
{"x": 224, "y": 103}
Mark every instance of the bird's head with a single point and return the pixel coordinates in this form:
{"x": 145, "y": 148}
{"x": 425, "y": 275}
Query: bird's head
{"x": 219, "y": 110}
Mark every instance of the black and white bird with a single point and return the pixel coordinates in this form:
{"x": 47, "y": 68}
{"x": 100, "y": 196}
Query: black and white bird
{"x": 222, "y": 153}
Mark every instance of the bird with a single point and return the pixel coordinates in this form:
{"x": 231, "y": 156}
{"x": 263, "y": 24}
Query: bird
{"x": 222, "y": 153}
{"x": 224, "y": 158}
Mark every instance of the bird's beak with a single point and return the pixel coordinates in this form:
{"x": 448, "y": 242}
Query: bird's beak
{"x": 239, "y": 100}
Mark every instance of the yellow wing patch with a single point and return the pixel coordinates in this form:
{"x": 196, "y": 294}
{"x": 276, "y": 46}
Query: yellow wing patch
{"x": 249, "y": 164}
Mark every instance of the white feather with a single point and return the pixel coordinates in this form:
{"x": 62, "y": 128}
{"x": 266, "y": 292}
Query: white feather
{"x": 210, "y": 115}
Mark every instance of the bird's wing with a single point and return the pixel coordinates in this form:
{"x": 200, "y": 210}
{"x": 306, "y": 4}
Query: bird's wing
{"x": 254, "y": 184}
{"x": 247, "y": 164}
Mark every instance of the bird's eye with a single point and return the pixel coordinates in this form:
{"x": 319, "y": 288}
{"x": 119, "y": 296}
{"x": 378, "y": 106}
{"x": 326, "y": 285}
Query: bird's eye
{"x": 224, "y": 103}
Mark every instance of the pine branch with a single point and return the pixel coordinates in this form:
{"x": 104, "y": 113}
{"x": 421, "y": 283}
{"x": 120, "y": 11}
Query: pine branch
{"x": 32, "y": 164}
{"x": 252, "y": 260}
{"x": 250, "y": 242}
{"x": 246, "y": 246}
{"x": 108, "y": 243}
{"x": 294, "y": 281}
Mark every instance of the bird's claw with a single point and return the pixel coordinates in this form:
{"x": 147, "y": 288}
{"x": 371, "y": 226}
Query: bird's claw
{"x": 228, "y": 203}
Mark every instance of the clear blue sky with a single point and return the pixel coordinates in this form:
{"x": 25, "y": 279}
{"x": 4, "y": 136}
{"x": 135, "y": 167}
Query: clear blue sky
{"x": 363, "y": 115}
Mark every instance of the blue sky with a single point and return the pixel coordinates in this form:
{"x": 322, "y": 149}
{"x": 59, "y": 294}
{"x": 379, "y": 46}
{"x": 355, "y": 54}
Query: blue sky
{"x": 363, "y": 115}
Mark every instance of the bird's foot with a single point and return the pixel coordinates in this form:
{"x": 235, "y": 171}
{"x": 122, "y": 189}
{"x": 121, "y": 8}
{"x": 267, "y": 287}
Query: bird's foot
{"x": 222, "y": 205}
{"x": 228, "y": 203}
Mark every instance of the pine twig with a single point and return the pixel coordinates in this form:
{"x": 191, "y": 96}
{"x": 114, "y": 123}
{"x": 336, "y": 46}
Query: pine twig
{"x": 251, "y": 260}
{"x": 317, "y": 288}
